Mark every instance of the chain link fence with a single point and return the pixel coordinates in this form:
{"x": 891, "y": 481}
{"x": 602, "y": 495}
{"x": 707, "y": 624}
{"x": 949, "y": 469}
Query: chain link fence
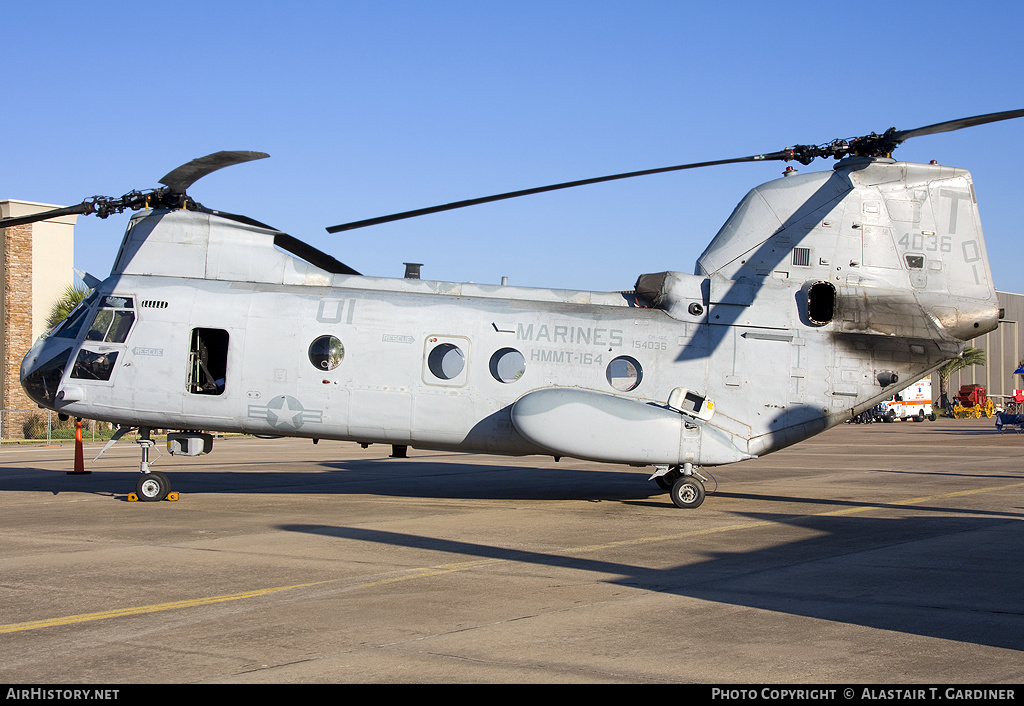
{"x": 45, "y": 426}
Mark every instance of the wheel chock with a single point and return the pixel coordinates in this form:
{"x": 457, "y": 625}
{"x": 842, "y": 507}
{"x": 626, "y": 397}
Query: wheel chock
{"x": 172, "y": 496}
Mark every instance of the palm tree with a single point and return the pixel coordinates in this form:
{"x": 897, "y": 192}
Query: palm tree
{"x": 970, "y": 356}
{"x": 64, "y": 304}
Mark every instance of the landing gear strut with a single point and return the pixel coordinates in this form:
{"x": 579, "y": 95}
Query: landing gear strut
{"x": 153, "y": 485}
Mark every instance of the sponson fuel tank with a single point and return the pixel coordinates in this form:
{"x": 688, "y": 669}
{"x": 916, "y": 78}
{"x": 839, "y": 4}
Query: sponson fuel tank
{"x": 600, "y": 427}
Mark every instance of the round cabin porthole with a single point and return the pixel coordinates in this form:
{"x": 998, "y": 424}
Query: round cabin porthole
{"x": 624, "y": 373}
{"x": 446, "y": 361}
{"x": 507, "y": 365}
{"x": 326, "y": 353}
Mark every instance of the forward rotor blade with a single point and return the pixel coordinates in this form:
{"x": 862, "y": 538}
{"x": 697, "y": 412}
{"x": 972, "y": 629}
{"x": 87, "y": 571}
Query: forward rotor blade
{"x": 188, "y": 174}
{"x": 951, "y": 125}
{"x": 782, "y": 155}
{"x": 869, "y": 145}
{"x": 82, "y": 208}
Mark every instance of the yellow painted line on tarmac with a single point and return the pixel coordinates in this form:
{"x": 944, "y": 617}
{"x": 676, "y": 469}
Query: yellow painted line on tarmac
{"x": 769, "y": 523}
{"x": 678, "y": 535}
{"x": 138, "y": 610}
{"x": 918, "y": 501}
{"x": 433, "y": 571}
{"x": 462, "y": 566}
{"x": 441, "y": 569}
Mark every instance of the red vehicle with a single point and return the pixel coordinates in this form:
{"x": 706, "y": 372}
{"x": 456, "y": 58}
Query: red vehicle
{"x": 972, "y": 401}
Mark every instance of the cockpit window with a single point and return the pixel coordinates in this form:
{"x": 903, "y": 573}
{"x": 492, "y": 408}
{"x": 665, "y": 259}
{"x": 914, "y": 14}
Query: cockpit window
{"x": 70, "y": 326}
{"x": 111, "y": 324}
{"x": 113, "y": 320}
{"x": 94, "y": 366}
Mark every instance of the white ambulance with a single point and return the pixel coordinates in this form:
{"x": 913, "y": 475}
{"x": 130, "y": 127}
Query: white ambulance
{"x": 915, "y": 402}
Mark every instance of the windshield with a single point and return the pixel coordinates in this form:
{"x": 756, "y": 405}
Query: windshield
{"x": 113, "y": 320}
{"x": 70, "y": 326}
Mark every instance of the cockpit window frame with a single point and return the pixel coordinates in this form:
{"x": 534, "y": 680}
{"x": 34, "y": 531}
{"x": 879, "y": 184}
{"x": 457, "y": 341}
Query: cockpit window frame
{"x": 105, "y": 337}
{"x": 120, "y": 323}
{"x": 71, "y": 326}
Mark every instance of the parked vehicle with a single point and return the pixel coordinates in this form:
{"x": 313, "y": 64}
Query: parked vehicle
{"x": 972, "y": 401}
{"x": 914, "y": 402}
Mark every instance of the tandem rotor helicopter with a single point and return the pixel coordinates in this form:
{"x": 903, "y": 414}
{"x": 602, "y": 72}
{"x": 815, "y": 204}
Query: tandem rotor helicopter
{"x": 820, "y": 293}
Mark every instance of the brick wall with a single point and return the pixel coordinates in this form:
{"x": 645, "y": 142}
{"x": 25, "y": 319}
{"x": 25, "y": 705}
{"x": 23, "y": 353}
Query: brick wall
{"x": 17, "y": 322}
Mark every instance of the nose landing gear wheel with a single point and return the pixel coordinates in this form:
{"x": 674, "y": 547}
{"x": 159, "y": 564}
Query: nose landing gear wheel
{"x": 687, "y": 492}
{"x": 152, "y": 487}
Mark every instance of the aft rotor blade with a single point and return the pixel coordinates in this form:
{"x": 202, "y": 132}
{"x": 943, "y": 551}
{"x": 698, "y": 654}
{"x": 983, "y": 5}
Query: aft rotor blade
{"x": 188, "y": 174}
{"x": 233, "y": 217}
{"x": 951, "y": 125}
{"x": 290, "y": 243}
{"x": 82, "y": 208}
{"x": 784, "y": 154}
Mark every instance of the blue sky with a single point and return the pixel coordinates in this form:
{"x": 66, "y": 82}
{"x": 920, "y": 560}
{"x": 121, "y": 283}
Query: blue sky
{"x": 368, "y": 108}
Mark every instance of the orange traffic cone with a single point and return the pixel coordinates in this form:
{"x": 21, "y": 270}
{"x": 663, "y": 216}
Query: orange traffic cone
{"x": 79, "y": 452}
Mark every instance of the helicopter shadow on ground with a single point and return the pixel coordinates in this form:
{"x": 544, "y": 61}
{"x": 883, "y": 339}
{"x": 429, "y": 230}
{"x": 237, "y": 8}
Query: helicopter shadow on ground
{"x": 439, "y": 477}
{"x": 866, "y": 503}
{"x": 946, "y": 576}
{"x": 971, "y": 474}
{"x": 943, "y": 427}
{"x": 941, "y": 577}
{"x": 421, "y": 477}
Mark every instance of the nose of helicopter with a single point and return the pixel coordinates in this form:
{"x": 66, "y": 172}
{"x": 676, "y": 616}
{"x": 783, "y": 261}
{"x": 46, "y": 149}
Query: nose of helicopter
{"x": 42, "y": 370}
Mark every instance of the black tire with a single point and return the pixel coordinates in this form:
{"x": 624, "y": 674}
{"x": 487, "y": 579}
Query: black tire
{"x": 687, "y": 493}
{"x": 666, "y": 481}
{"x": 152, "y": 487}
{"x": 919, "y": 417}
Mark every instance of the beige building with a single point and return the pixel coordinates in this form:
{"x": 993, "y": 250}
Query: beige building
{"x": 38, "y": 265}
{"x": 1004, "y": 349}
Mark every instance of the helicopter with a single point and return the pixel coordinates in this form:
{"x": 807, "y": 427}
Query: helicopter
{"x": 819, "y": 294}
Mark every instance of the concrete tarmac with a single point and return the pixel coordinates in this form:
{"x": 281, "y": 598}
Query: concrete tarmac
{"x": 883, "y": 553}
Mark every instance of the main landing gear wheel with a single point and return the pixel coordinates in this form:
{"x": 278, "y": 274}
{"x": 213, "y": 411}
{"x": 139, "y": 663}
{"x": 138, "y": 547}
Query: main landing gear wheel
{"x": 687, "y": 492}
{"x": 152, "y": 486}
